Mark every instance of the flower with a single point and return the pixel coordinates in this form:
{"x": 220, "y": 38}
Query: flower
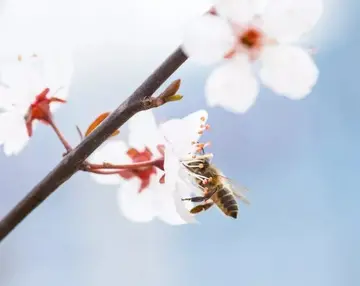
{"x": 244, "y": 31}
{"x": 146, "y": 193}
{"x": 28, "y": 88}
{"x": 182, "y": 145}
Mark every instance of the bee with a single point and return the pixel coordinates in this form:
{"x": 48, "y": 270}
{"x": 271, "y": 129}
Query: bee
{"x": 216, "y": 188}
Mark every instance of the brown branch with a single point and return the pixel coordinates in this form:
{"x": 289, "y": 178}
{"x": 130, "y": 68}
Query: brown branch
{"x": 73, "y": 161}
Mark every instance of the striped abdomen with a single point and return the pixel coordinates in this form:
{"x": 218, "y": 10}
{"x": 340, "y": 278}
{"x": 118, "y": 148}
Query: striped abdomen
{"x": 226, "y": 201}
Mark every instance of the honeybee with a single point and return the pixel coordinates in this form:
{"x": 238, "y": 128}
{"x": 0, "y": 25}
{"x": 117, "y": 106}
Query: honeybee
{"x": 216, "y": 188}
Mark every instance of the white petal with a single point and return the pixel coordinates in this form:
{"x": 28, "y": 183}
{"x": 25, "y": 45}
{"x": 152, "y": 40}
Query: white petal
{"x": 57, "y": 73}
{"x": 288, "y": 20}
{"x": 164, "y": 204}
{"x": 20, "y": 79}
{"x": 240, "y": 11}
{"x": 143, "y": 131}
{"x": 232, "y": 86}
{"x": 183, "y": 208}
{"x": 110, "y": 152}
{"x": 135, "y": 206}
{"x": 13, "y": 133}
{"x": 171, "y": 166}
{"x": 6, "y": 98}
{"x": 208, "y": 39}
{"x": 288, "y": 70}
{"x": 61, "y": 93}
{"x": 181, "y": 133}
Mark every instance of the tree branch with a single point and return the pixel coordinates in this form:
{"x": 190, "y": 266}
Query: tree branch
{"x": 72, "y": 162}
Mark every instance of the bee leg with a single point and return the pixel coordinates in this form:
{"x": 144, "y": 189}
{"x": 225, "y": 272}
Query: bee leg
{"x": 202, "y": 207}
{"x": 207, "y": 196}
{"x": 195, "y": 199}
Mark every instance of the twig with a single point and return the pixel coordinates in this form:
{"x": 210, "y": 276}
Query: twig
{"x": 79, "y": 132}
{"x": 102, "y": 172}
{"x": 60, "y": 136}
{"x": 73, "y": 161}
{"x": 155, "y": 162}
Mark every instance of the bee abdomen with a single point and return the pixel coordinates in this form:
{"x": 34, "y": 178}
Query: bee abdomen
{"x": 227, "y": 203}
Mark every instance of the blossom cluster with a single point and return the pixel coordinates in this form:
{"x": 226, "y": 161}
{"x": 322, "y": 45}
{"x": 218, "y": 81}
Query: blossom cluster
{"x": 248, "y": 39}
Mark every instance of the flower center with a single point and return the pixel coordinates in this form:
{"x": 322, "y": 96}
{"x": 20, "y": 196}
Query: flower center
{"x": 40, "y": 109}
{"x": 143, "y": 173}
{"x": 251, "y": 38}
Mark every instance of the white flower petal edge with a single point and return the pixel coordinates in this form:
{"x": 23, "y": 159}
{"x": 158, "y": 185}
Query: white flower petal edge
{"x": 110, "y": 152}
{"x": 183, "y": 208}
{"x": 156, "y": 201}
{"x": 170, "y": 207}
{"x": 19, "y": 80}
{"x": 58, "y": 69}
{"x": 240, "y": 11}
{"x": 232, "y": 86}
{"x": 135, "y": 206}
{"x": 13, "y": 134}
{"x": 143, "y": 132}
{"x": 208, "y": 39}
{"x": 288, "y": 20}
{"x": 288, "y": 70}
{"x": 179, "y": 134}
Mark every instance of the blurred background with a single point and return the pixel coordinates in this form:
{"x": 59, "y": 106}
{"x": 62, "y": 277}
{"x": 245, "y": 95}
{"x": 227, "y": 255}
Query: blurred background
{"x": 300, "y": 160}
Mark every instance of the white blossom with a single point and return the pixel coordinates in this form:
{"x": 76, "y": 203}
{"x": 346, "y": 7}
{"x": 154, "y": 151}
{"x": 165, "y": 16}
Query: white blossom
{"x": 246, "y": 31}
{"x": 182, "y": 139}
{"x": 23, "y": 80}
{"x": 141, "y": 202}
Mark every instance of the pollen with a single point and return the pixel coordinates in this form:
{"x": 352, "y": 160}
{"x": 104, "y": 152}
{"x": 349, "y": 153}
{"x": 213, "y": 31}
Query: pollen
{"x": 202, "y": 118}
{"x": 202, "y": 146}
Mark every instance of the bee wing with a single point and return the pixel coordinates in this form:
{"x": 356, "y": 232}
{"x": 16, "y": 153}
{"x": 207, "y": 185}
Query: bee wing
{"x": 238, "y": 190}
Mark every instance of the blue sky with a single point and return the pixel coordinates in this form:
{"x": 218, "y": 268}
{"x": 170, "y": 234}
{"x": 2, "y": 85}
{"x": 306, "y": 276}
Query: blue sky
{"x": 300, "y": 160}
